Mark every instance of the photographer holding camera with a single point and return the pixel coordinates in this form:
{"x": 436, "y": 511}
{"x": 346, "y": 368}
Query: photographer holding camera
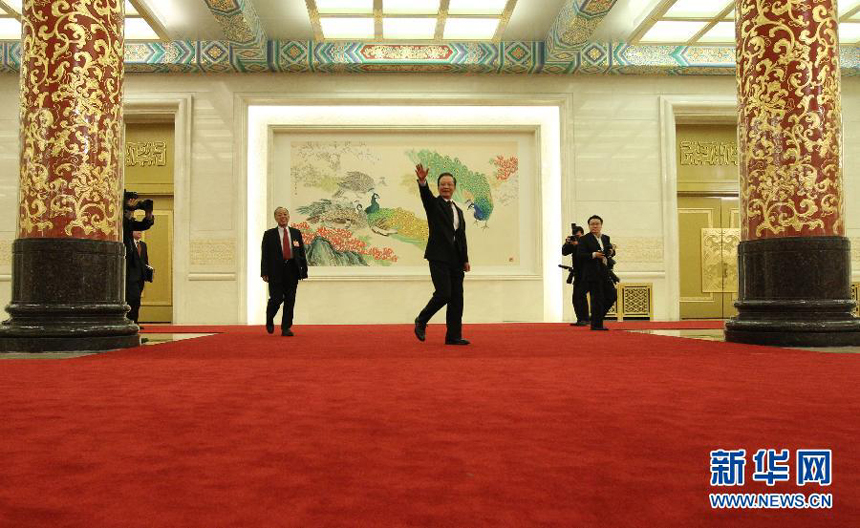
{"x": 580, "y": 303}
{"x": 135, "y": 268}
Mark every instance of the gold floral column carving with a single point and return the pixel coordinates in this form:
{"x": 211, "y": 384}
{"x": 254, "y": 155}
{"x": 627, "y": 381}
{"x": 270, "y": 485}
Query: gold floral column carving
{"x": 790, "y": 130}
{"x": 71, "y": 119}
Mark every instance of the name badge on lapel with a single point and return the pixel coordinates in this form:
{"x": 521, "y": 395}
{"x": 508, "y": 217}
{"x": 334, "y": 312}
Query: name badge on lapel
{"x": 295, "y": 243}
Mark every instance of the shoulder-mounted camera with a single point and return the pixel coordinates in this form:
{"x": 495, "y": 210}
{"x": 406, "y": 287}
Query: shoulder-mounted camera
{"x": 141, "y": 205}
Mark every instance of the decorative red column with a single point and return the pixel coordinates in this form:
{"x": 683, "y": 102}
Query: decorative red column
{"x": 794, "y": 260}
{"x": 68, "y": 260}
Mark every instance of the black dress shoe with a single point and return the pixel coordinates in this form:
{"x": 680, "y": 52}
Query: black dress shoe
{"x": 270, "y": 327}
{"x": 287, "y": 333}
{"x": 420, "y": 330}
{"x": 460, "y": 341}
{"x": 601, "y": 328}
{"x": 580, "y": 323}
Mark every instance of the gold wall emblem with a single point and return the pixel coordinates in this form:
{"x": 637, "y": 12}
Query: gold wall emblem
{"x": 146, "y": 154}
{"x": 708, "y": 153}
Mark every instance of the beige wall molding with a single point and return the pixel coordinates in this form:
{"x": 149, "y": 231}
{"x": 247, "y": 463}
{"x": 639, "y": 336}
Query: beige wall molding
{"x": 217, "y": 277}
{"x": 213, "y": 252}
{"x": 5, "y": 252}
{"x": 639, "y": 250}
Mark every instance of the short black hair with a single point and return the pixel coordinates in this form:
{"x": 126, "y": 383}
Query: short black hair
{"x": 592, "y": 217}
{"x": 446, "y": 174}
{"x": 578, "y": 229}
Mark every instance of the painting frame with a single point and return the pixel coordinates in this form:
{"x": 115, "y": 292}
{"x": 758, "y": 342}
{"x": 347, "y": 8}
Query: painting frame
{"x": 529, "y": 203}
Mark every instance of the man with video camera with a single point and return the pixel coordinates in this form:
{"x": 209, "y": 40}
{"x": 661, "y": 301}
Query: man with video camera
{"x": 134, "y": 265}
{"x": 580, "y": 302}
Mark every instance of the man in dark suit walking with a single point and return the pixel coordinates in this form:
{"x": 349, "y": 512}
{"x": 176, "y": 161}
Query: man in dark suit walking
{"x": 593, "y": 253}
{"x": 137, "y": 272}
{"x": 447, "y": 255}
{"x": 282, "y": 265}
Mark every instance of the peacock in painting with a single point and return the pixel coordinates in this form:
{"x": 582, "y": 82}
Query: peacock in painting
{"x": 473, "y": 188}
{"x": 355, "y": 182}
{"x": 397, "y": 222}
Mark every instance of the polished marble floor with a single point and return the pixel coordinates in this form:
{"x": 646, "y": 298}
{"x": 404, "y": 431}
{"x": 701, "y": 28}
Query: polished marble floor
{"x": 148, "y": 339}
{"x": 716, "y": 334}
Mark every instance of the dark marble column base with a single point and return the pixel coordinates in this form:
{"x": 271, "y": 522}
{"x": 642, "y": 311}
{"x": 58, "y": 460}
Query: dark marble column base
{"x": 67, "y": 295}
{"x": 795, "y": 292}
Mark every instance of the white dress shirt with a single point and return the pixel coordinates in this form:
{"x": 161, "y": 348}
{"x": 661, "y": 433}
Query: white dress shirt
{"x": 456, "y": 216}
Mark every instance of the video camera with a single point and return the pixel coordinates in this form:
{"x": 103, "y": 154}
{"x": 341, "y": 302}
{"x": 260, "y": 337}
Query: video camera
{"x": 142, "y": 205}
{"x": 574, "y": 229}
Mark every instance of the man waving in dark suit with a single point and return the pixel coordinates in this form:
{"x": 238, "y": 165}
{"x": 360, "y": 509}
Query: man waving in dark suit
{"x": 447, "y": 254}
{"x": 282, "y": 265}
{"x": 593, "y": 253}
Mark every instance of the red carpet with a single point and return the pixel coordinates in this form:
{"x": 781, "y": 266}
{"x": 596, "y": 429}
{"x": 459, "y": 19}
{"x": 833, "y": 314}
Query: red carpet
{"x": 532, "y": 425}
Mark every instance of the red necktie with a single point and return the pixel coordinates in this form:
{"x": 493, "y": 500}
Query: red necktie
{"x": 138, "y": 248}
{"x": 288, "y": 251}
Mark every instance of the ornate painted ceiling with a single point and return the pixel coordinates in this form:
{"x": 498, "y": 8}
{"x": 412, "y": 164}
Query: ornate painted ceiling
{"x": 537, "y": 37}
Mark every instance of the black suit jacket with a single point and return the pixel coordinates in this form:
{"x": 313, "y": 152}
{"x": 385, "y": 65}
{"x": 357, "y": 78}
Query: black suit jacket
{"x": 144, "y": 259}
{"x": 592, "y": 269}
{"x": 134, "y": 262}
{"x": 570, "y": 249}
{"x": 273, "y": 257}
{"x": 444, "y": 244}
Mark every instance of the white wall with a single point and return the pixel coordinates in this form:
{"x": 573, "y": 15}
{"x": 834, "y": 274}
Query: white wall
{"x": 611, "y": 166}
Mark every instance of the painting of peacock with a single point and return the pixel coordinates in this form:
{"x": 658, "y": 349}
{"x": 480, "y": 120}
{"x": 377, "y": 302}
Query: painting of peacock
{"x": 477, "y": 212}
{"x": 334, "y": 214}
{"x": 473, "y": 188}
{"x": 397, "y": 222}
{"x": 374, "y": 204}
{"x": 355, "y": 182}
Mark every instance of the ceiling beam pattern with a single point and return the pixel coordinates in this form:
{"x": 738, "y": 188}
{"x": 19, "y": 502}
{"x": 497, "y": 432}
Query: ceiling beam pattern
{"x": 507, "y": 57}
{"x": 245, "y": 44}
{"x": 574, "y": 26}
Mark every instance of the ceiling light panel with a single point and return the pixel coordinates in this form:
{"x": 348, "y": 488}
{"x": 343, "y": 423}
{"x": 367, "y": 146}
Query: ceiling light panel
{"x": 849, "y": 33}
{"x": 129, "y": 9}
{"x": 470, "y": 28}
{"x": 10, "y": 29}
{"x": 410, "y": 7}
{"x": 343, "y": 7}
{"x": 696, "y": 8}
{"x": 408, "y": 28}
{"x": 15, "y": 5}
{"x": 347, "y": 28}
{"x": 847, "y": 5}
{"x": 476, "y": 7}
{"x": 721, "y": 33}
{"x": 672, "y": 31}
{"x": 139, "y": 29}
